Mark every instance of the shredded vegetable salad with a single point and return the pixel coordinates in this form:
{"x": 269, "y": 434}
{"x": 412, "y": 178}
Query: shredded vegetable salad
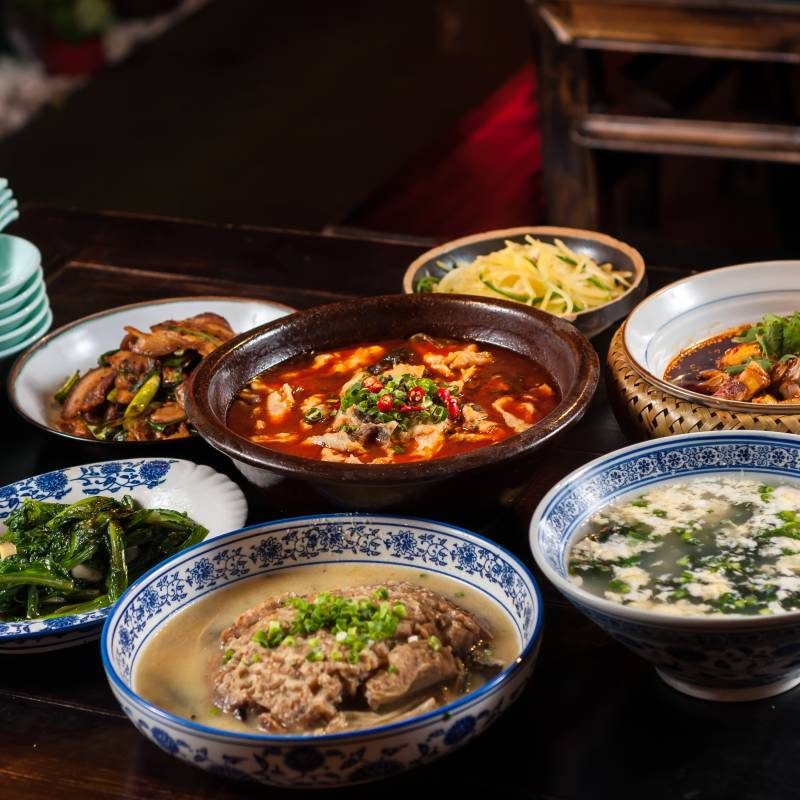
{"x": 550, "y": 277}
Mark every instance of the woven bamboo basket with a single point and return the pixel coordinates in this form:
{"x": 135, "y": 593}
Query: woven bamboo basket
{"x": 645, "y": 411}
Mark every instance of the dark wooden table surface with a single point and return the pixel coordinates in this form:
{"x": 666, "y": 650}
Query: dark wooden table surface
{"x": 594, "y": 722}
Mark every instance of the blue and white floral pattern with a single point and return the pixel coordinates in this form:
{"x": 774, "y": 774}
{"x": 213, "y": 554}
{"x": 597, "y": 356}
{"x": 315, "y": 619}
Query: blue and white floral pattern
{"x": 731, "y": 654}
{"x": 336, "y": 759}
{"x": 136, "y": 476}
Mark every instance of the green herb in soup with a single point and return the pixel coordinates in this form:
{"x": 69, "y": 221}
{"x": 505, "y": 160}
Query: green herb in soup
{"x": 711, "y": 546}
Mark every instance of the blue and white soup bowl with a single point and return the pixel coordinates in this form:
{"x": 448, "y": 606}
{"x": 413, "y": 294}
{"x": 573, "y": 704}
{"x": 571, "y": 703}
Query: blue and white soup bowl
{"x": 207, "y": 496}
{"x": 727, "y": 658}
{"x": 333, "y": 759}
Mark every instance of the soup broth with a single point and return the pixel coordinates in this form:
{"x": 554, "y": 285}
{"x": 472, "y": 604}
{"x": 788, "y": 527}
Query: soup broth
{"x": 711, "y": 546}
{"x": 394, "y": 401}
{"x": 177, "y": 668}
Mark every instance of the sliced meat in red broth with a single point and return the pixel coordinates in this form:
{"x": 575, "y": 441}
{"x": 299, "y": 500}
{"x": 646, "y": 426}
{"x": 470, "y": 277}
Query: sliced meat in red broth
{"x": 394, "y": 401}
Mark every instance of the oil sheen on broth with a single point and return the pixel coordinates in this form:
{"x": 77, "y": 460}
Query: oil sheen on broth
{"x": 709, "y": 546}
{"x": 394, "y": 401}
{"x": 178, "y": 668}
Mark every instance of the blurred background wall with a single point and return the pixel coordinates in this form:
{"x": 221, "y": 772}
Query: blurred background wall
{"x": 670, "y": 124}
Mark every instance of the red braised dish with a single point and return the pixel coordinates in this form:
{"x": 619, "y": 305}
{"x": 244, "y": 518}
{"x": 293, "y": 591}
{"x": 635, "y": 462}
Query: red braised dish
{"x": 394, "y": 401}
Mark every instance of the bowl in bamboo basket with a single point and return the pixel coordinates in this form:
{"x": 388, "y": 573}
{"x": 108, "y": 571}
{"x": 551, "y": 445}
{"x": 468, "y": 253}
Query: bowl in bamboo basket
{"x": 645, "y": 410}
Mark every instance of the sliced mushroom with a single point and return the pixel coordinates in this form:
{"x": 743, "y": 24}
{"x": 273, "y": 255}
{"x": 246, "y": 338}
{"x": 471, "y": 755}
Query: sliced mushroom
{"x": 168, "y": 414}
{"x": 89, "y": 392}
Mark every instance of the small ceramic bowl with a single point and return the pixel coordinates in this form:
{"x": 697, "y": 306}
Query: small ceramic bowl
{"x": 39, "y": 372}
{"x": 701, "y": 306}
{"x": 549, "y": 341}
{"x": 19, "y": 261}
{"x": 13, "y": 322}
{"x": 598, "y": 246}
{"x": 727, "y": 658}
{"x": 32, "y": 320}
{"x": 37, "y": 333}
{"x": 333, "y": 759}
{"x": 24, "y": 296}
{"x": 207, "y": 496}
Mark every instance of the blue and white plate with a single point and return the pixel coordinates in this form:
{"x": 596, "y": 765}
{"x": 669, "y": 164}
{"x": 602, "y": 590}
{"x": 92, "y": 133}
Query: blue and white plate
{"x": 332, "y": 759}
{"x": 207, "y": 496}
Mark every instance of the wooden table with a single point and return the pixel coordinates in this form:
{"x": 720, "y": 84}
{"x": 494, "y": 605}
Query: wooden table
{"x": 594, "y": 722}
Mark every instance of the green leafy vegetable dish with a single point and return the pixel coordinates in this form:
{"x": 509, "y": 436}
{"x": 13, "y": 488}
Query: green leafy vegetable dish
{"x": 58, "y": 559}
{"x": 757, "y": 363}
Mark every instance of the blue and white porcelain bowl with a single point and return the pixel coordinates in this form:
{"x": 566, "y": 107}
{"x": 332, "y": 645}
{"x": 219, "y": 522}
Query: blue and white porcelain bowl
{"x": 207, "y": 496}
{"x": 332, "y": 759}
{"x": 716, "y": 658}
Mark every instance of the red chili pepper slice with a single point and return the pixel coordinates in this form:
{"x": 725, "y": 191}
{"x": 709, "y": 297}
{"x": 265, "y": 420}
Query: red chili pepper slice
{"x": 405, "y": 408}
{"x": 372, "y": 384}
{"x": 444, "y": 394}
{"x": 416, "y": 394}
{"x": 452, "y": 408}
{"x": 385, "y": 403}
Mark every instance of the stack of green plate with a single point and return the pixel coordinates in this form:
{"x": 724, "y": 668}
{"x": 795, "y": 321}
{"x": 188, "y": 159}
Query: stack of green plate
{"x": 25, "y": 314}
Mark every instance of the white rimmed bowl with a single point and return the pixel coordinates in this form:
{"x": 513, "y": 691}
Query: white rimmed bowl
{"x": 728, "y": 658}
{"x": 31, "y": 338}
{"x": 701, "y": 306}
{"x": 207, "y": 496}
{"x": 19, "y": 261}
{"x": 38, "y": 372}
{"x": 601, "y": 248}
{"x": 334, "y": 759}
{"x": 23, "y": 296}
{"x": 14, "y": 322}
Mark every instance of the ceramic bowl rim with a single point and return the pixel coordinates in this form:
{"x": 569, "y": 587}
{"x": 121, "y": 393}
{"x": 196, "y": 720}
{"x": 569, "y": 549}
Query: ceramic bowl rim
{"x": 569, "y": 410}
{"x": 31, "y": 324}
{"x": 96, "y": 617}
{"x": 37, "y": 279}
{"x": 527, "y": 651}
{"x": 30, "y": 338}
{"x": 688, "y": 394}
{"x": 639, "y": 269}
{"x": 15, "y": 316}
{"x": 642, "y": 616}
{"x": 21, "y": 361}
{"x": 13, "y": 286}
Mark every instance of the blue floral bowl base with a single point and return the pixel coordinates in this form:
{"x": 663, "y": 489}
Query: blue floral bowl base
{"x": 724, "y": 658}
{"x": 337, "y": 759}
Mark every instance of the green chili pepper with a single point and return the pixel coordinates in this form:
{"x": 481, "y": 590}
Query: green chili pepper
{"x": 197, "y": 334}
{"x": 569, "y": 260}
{"x": 520, "y": 298}
{"x": 144, "y": 396}
{"x": 61, "y": 395}
{"x": 598, "y": 284}
{"x": 314, "y": 414}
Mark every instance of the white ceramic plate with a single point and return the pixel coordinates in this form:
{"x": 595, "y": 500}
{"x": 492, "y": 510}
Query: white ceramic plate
{"x": 41, "y": 370}
{"x": 704, "y": 305}
{"x": 208, "y": 497}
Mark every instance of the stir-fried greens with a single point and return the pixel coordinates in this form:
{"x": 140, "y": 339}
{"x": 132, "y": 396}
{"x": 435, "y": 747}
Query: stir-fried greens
{"x": 137, "y": 392}
{"x": 60, "y": 559}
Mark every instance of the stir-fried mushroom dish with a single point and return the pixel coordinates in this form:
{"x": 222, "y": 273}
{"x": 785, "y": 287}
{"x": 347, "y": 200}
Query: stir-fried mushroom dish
{"x": 753, "y": 363}
{"x": 137, "y": 391}
{"x": 394, "y": 401}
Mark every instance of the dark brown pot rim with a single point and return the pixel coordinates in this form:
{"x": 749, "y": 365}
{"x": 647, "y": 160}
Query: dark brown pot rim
{"x": 575, "y": 400}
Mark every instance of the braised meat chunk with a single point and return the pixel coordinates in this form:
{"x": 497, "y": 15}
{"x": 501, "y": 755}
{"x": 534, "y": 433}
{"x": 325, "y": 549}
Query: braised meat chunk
{"x": 298, "y": 663}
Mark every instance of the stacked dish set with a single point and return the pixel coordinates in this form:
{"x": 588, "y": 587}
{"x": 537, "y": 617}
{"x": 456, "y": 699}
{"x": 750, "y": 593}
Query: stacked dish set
{"x": 25, "y": 314}
{"x": 217, "y": 638}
